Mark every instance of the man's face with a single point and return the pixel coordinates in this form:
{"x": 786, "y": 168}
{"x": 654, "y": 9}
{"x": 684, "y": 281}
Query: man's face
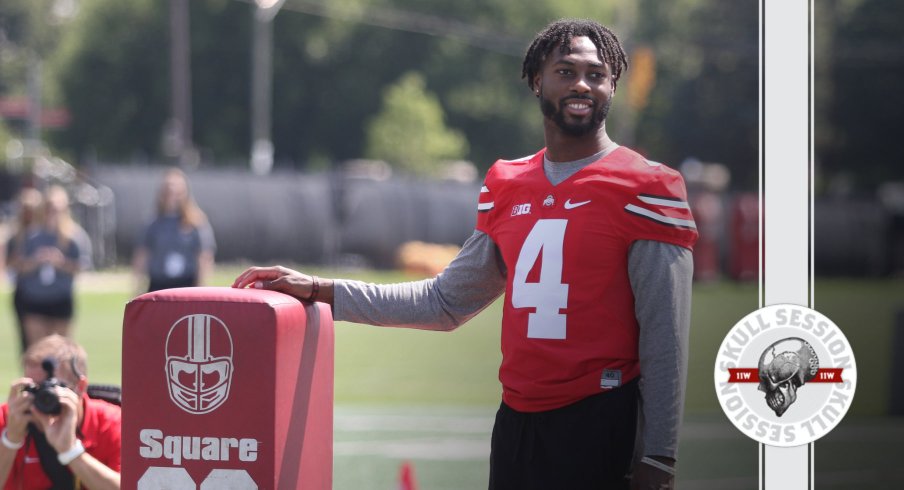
{"x": 34, "y": 371}
{"x": 575, "y": 88}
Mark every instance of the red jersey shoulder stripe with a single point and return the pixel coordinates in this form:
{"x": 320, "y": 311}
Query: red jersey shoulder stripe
{"x": 665, "y": 201}
{"x": 665, "y": 210}
{"x": 485, "y": 202}
{"x": 500, "y": 170}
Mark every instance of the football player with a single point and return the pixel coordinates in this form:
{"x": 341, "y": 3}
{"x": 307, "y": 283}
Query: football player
{"x": 591, "y": 244}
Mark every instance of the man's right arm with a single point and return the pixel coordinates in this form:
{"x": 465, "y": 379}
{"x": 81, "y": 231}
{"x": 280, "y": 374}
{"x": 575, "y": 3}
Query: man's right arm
{"x": 474, "y": 279}
{"x": 470, "y": 283}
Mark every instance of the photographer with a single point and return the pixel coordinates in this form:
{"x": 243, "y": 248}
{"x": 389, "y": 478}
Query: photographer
{"x": 73, "y": 445}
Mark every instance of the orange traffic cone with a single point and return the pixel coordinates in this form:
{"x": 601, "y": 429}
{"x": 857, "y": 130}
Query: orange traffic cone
{"x": 407, "y": 480}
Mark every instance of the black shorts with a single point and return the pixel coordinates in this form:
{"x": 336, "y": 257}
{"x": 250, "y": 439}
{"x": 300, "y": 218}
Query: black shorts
{"x": 62, "y": 308}
{"x": 586, "y": 445}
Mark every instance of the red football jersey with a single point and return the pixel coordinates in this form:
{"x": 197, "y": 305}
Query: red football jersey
{"x": 568, "y": 325}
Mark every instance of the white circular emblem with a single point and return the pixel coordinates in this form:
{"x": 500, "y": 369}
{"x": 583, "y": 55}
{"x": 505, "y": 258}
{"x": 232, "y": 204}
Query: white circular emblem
{"x": 785, "y": 375}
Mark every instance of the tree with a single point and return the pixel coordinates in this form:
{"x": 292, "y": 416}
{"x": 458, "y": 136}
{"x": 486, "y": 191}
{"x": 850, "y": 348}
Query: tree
{"x": 29, "y": 32}
{"x": 705, "y": 103}
{"x": 867, "y": 73}
{"x": 113, "y": 68}
{"x": 334, "y": 59}
{"x": 410, "y": 131}
{"x": 329, "y": 71}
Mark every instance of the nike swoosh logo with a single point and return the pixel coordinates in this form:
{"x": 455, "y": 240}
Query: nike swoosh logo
{"x": 571, "y": 205}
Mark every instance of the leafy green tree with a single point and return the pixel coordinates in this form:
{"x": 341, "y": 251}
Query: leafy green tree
{"x": 113, "y": 68}
{"x": 29, "y": 33}
{"x": 329, "y": 71}
{"x": 410, "y": 131}
{"x": 114, "y": 75}
{"x": 334, "y": 59}
{"x": 866, "y": 61}
{"x": 14, "y": 21}
{"x": 705, "y": 102}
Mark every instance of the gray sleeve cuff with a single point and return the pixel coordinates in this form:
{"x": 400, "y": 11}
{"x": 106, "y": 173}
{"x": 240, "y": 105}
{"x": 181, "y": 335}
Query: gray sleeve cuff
{"x": 661, "y": 277}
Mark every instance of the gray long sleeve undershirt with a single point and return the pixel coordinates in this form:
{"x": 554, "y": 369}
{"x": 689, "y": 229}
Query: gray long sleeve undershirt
{"x": 660, "y": 275}
{"x": 473, "y": 280}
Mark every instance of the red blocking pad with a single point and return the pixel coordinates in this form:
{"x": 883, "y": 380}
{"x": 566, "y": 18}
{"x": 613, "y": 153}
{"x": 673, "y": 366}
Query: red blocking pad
{"x": 226, "y": 389}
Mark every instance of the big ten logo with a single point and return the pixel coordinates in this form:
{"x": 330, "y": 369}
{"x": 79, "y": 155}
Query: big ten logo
{"x": 519, "y": 209}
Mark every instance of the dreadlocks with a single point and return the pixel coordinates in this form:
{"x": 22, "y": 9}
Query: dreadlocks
{"x": 560, "y": 33}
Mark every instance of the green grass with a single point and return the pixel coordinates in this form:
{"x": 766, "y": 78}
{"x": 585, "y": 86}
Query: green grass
{"x": 389, "y": 366}
{"x": 373, "y": 365}
{"x": 865, "y": 311}
{"x": 416, "y": 372}
{"x": 716, "y": 308}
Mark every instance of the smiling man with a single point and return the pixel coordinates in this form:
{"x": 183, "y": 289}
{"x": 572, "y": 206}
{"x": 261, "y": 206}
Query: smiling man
{"x": 591, "y": 244}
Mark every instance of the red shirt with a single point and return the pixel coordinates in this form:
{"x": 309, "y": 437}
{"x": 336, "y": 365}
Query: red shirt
{"x": 100, "y": 434}
{"x": 568, "y": 325}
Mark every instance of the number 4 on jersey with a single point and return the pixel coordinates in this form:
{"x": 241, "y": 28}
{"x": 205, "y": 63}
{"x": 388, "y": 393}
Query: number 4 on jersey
{"x": 549, "y": 295}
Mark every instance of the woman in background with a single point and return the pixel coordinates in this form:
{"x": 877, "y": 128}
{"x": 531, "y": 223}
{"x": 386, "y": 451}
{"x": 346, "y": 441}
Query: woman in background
{"x": 46, "y": 255}
{"x": 177, "y": 248}
{"x": 30, "y": 215}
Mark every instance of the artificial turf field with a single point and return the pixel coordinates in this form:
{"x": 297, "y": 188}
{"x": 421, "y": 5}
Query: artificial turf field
{"x": 429, "y": 398}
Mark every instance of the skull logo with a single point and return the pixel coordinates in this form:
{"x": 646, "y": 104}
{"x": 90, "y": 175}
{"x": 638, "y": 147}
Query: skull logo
{"x": 784, "y": 367}
{"x": 199, "y": 363}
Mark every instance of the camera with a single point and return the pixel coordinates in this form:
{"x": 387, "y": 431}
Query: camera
{"x": 46, "y": 399}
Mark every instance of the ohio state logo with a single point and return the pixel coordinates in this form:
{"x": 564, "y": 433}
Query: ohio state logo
{"x": 549, "y": 202}
{"x": 785, "y": 375}
{"x": 199, "y": 363}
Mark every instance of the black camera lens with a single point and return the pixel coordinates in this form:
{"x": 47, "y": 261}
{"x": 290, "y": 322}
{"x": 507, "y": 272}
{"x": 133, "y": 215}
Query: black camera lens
{"x": 47, "y": 401}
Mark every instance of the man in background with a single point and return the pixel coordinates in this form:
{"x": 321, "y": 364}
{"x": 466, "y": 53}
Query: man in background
{"x": 76, "y": 448}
